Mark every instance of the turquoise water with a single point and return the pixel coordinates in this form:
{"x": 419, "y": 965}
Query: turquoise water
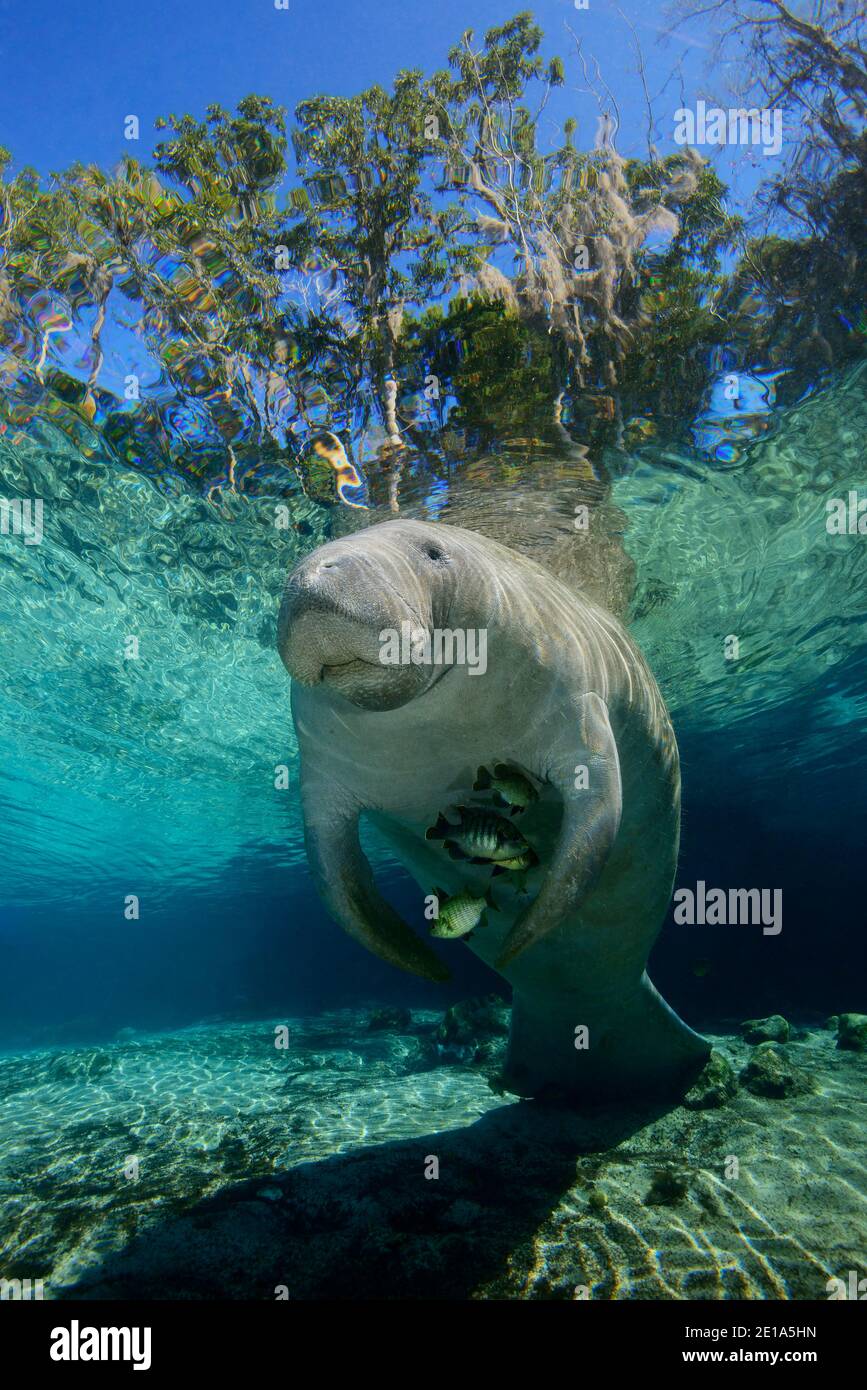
{"x": 499, "y": 292}
{"x": 167, "y": 770}
{"x": 160, "y": 768}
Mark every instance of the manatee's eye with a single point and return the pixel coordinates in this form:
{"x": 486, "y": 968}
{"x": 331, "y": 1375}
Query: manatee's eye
{"x": 433, "y": 552}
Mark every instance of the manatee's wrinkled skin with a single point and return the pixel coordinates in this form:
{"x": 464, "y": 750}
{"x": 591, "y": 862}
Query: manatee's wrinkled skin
{"x": 564, "y": 690}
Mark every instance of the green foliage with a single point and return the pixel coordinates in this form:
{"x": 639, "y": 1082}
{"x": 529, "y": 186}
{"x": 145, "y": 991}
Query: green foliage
{"x": 810, "y": 290}
{"x": 277, "y": 303}
{"x": 371, "y": 214}
{"x": 501, "y": 371}
{"x": 501, "y": 71}
{"x": 228, "y": 159}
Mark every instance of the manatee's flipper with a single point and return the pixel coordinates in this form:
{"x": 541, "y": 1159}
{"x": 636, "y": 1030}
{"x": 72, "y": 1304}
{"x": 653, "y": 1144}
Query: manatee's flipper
{"x": 591, "y": 819}
{"x": 344, "y": 880}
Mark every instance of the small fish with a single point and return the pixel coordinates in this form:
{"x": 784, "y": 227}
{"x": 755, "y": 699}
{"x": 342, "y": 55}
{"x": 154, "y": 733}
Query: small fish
{"x": 519, "y": 863}
{"x": 457, "y": 916}
{"x": 700, "y": 968}
{"x": 516, "y": 790}
{"x": 481, "y": 836}
{"x": 518, "y": 867}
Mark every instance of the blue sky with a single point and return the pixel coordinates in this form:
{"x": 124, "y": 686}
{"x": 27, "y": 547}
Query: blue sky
{"x": 74, "y": 71}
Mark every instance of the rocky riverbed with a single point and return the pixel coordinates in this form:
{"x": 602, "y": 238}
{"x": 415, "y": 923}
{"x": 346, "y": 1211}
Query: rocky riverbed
{"x": 372, "y": 1153}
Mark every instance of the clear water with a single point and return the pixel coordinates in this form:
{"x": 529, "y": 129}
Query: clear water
{"x": 154, "y": 776}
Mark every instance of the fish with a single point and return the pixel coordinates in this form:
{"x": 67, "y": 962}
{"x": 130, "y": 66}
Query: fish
{"x": 458, "y": 915}
{"x": 482, "y": 836}
{"x": 519, "y": 867}
{"x": 519, "y": 863}
{"x": 516, "y": 790}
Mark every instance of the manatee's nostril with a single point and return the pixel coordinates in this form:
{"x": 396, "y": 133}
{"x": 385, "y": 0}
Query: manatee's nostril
{"x": 308, "y": 575}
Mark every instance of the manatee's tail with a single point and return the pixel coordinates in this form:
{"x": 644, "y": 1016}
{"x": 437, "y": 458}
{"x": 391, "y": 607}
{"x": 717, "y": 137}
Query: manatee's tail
{"x": 578, "y": 1046}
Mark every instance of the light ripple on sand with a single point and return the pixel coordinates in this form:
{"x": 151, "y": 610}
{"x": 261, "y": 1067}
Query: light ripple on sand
{"x": 216, "y": 1105}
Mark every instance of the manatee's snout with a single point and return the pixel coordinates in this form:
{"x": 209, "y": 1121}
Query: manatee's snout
{"x": 337, "y": 604}
{"x": 323, "y": 622}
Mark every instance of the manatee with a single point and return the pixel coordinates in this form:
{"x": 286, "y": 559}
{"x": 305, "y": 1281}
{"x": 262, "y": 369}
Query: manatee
{"x": 565, "y": 698}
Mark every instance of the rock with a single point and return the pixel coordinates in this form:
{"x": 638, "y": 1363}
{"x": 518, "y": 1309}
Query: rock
{"x": 597, "y": 1201}
{"x": 394, "y": 1019}
{"x": 716, "y": 1085}
{"x": 670, "y": 1185}
{"x": 768, "y": 1073}
{"x": 760, "y": 1030}
{"x": 852, "y": 1032}
{"x": 473, "y": 1032}
{"x": 831, "y": 1023}
{"x": 473, "y": 1021}
{"x": 233, "y": 1155}
{"x": 464, "y": 1215}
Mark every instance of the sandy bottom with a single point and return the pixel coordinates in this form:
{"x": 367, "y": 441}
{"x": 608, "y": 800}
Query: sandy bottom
{"x": 359, "y": 1163}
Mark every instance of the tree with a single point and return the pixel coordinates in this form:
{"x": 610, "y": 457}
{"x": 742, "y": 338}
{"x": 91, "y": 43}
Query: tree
{"x": 498, "y": 368}
{"x": 280, "y": 329}
{"x": 567, "y": 231}
{"x": 196, "y": 261}
{"x": 373, "y": 219}
{"x": 804, "y": 261}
